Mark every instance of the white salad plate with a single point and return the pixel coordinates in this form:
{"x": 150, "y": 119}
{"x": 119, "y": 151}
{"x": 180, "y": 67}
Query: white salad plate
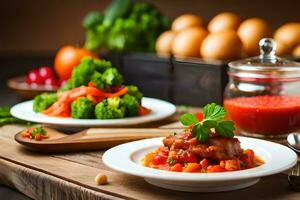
{"x": 160, "y": 110}
{"x": 127, "y": 158}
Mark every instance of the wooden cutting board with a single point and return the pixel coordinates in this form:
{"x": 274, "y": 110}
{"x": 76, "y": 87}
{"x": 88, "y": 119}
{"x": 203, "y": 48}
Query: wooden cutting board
{"x": 91, "y": 139}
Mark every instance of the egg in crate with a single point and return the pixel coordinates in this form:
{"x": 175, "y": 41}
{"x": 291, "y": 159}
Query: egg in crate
{"x": 164, "y": 43}
{"x": 250, "y": 32}
{"x": 296, "y": 51}
{"x": 188, "y": 42}
{"x": 186, "y": 21}
{"x": 221, "y": 45}
{"x": 224, "y": 21}
{"x": 288, "y": 33}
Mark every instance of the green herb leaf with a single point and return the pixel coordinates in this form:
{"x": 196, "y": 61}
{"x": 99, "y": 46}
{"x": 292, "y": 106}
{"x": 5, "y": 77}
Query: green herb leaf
{"x": 188, "y": 119}
{"x": 38, "y": 130}
{"x": 213, "y": 118}
{"x": 213, "y": 112}
{"x": 170, "y": 161}
{"x": 225, "y": 129}
{"x": 201, "y": 132}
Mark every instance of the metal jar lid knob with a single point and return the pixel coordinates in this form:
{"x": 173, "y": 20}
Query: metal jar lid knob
{"x": 267, "y": 48}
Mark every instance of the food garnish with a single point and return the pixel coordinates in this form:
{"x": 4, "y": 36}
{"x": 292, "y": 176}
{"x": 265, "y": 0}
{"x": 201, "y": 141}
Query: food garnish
{"x": 214, "y": 117}
{"x": 207, "y": 145}
{"x": 37, "y": 133}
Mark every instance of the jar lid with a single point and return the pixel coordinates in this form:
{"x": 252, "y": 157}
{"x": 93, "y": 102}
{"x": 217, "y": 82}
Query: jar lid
{"x": 267, "y": 64}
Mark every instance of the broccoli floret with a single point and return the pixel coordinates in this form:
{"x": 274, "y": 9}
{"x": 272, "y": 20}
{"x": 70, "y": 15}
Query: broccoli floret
{"x": 43, "y": 101}
{"x": 102, "y": 65}
{"x": 134, "y": 91}
{"x": 82, "y": 108}
{"x": 82, "y": 73}
{"x": 131, "y": 105}
{"x": 112, "y": 77}
{"x": 96, "y": 79}
{"x": 110, "y": 108}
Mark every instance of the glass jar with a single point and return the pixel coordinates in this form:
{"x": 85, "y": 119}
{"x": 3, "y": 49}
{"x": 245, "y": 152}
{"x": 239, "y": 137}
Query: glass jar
{"x": 263, "y": 94}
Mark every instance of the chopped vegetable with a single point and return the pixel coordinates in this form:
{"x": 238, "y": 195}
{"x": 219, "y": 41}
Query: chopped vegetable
{"x": 110, "y": 108}
{"x": 82, "y": 108}
{"x": 131, "y": 105}
{"x": 214, "y": 117}
{"x": 37, "y": 133}
{"x": 43, "y": 101}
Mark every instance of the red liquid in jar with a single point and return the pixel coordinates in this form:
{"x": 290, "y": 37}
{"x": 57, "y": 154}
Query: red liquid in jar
{"x": 266, "y": 115}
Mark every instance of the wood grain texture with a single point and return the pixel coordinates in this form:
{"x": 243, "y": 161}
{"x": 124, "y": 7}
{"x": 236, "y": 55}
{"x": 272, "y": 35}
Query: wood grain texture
{"x": 71, "y": 176}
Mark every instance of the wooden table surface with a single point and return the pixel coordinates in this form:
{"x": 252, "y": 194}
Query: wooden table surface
{"x": 71, "y": 176}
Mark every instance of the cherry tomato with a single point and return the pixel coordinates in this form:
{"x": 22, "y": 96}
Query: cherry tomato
{"x": 159, "y": 159}
{"x": 67, "y": 58}
{"x": 50, "y": 81}
{"x": 187, "y": 157}
{"x": 45, "y": 72}
{"x": 199, "y": 116}
{"x": 34, "y": 77}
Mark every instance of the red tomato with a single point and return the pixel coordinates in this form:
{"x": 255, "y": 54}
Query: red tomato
{"x": 159, "y": 159}
{"x": 204, "y": 163}
{"x": 248, "y": 157}
{"x": 67, "y": 58}
{"x": 199, "y": 116}
{"x": 176, "y": 168}
{"x": 34, "y": 77}
{"x": 214, "y": 169}
{"x": 45, "y": 72}
{"x": 187, "y": 157}
{"x": 50, "y": 81}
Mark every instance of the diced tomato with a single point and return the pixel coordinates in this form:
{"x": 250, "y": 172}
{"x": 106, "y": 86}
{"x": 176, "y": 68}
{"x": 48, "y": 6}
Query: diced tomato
{"x": 163, "y": 151}
{"x": 248, "y": 157}
{"x": 192, "y": 167}
{"x": 199, "y": 116}
{"x": 204, "y": 163}
{"x": 176, "y": 168}
{"x": 159, "y": 159}
{"x": 231, "y": 165}
{"x": 38, "y": 137}
{"x": 214, "y": 169}
{"x": 187, "y": 157}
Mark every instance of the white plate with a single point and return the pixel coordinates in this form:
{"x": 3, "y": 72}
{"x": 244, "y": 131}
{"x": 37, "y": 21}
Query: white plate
{"x": 126, "y": 158}
{"x": 160, "y": 110}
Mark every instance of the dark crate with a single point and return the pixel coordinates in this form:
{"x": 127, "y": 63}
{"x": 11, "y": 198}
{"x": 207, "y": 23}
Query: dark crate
{"x": 197, "y": 82}
{"x": 152, "y": 74}
{"x": 181, "y": 81}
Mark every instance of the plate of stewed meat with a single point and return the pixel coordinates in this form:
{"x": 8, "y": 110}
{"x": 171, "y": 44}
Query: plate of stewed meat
{"x": 203, "y": 157}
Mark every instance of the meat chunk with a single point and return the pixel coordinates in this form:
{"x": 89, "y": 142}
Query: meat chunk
{"x": 217, "y": 148}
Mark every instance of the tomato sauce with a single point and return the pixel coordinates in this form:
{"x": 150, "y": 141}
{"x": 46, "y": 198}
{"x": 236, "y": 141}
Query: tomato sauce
{"x": 266, "y": 115}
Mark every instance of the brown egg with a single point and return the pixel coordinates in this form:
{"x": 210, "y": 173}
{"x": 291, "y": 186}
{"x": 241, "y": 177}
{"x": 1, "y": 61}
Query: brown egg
{"x": 288, "y": 33}
{"x": 251, "y": 31}
{"x": 282, "y": 49}
{"x": 187, "y": 42}
{"x": 224, "y": 21}
{"x": 164, "y": 43}
{"x": 296, "y": 51}
{"x": 221, "y": 45}
{"x": 186, "y": 21}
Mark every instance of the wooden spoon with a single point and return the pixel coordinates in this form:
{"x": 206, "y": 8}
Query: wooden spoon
{"x": 90, "y": 139}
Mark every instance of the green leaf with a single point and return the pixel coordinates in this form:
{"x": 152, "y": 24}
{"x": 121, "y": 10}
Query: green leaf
{"x": 225, "y": 129}
{"x": 201, "y": 132}
{"x": 38, "y": 130}
{"x": 210, "y": 123}
{"x": 214, "y": 112}
{"x": 188, "y": 119}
